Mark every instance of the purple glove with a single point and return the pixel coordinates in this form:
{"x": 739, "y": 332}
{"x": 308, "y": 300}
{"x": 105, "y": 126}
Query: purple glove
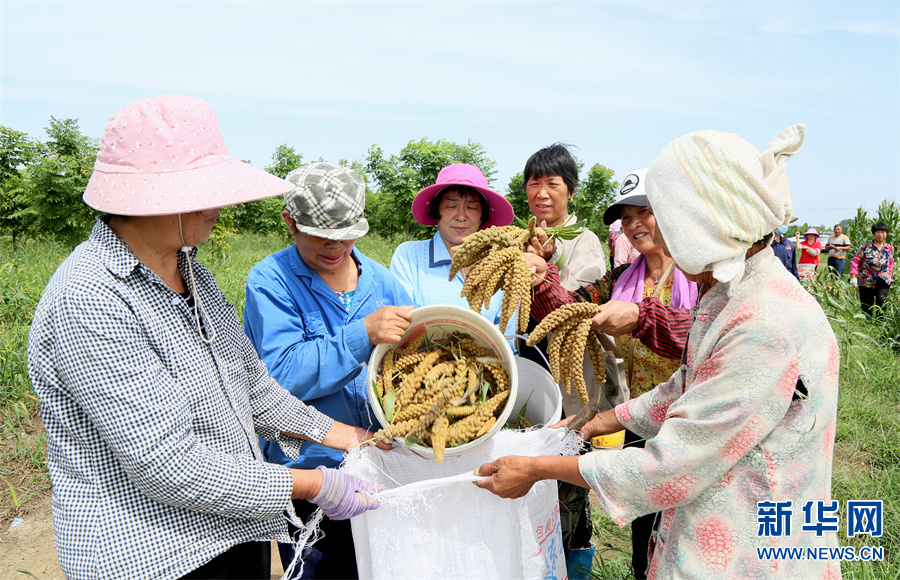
{"x": 338, "y": 495}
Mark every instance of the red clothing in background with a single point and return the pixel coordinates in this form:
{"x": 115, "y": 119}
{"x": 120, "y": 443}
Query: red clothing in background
{"x": 807, "y": 257}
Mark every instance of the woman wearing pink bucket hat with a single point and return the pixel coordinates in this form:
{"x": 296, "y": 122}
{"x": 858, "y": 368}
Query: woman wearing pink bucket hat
{"x": 459, "y": 203}
{"x": 810, "y": 248}
{"x": 152, "y": 395}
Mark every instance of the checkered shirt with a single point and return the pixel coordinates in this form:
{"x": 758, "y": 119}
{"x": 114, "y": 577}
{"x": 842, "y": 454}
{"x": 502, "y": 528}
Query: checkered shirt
{"x": 151, "y": 433}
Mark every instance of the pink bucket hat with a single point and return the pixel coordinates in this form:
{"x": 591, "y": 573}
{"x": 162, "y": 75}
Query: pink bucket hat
{"x": 500, "y": 212}
{"x": 165, "y": 155}
{"x": 811, "y": 231}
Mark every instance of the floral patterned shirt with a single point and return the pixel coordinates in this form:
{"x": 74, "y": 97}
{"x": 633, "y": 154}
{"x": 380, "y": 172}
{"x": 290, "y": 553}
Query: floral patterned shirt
{"x": 870, "y": 263}
{"x": 729, "y": 430}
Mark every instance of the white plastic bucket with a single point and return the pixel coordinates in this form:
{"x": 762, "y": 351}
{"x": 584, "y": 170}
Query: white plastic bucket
{"x": 439, "y": 321}
{"x": 539, "y": 391}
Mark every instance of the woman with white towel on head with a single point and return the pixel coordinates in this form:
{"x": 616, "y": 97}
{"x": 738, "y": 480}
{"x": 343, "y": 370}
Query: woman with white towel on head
{"x": 747, "y": 424}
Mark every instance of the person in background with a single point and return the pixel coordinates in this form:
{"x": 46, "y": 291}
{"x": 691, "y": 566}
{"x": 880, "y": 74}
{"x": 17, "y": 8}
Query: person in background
{"x": 837, "y": 247}
{"x": 624, "y": 252}
{"x": 551, "y": 181}
{"x": 872, "y": 268}
{"x": 615, "y": 231}
{"x": 748, "y": 421}
{"x": 810, "y": 247}
{"x": 152, "y": 396}
{"x": 459, "y": 203}
{"x": 785, "y": 250}
{"x": 314, "y": 311}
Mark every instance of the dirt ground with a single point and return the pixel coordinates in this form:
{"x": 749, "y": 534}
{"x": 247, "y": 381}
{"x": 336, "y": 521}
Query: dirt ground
{"x": 28, "y": 549}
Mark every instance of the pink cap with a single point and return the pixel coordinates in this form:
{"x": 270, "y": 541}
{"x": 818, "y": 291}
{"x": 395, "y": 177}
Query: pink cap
{"x": 500, "y": 212}
{"x": 165, "y": 155}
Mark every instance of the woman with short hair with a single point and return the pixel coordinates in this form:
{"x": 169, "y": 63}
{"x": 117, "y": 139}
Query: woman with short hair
{"x": 551, "y": 182}
{"x": 872, "y": 268}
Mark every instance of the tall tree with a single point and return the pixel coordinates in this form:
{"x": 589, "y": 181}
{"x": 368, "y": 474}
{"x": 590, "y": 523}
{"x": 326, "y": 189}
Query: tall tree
{"x": 16, "y": 151}
{"x": 399, "y": 177}
{"x": 284, "y": 160}
{"x": 57, "y": 180}
{"x": 596, "y": 193}
{"x": 264, "y": 216}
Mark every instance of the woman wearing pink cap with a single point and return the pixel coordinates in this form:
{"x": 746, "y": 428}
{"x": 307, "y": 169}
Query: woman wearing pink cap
{"x": 810, "y": 248}
{"x": 459, "y": 203}
{"x": 152, "y": 395}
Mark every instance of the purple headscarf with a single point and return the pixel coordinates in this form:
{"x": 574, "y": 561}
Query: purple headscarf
{"x": 630, "y": 286}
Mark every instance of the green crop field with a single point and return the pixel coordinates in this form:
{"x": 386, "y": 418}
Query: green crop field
{"x": 867, "y": 447}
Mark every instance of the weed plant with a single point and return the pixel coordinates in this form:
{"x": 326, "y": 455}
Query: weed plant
{"x": 612, "y": 553}
{"x": 24, "y": 272}
{"x": 867, "y": 449}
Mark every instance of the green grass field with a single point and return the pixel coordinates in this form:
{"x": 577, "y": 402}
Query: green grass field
{"x": 867, "y": 448}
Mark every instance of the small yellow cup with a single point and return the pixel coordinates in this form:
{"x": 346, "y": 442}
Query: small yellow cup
{"x": 607, "y": 442}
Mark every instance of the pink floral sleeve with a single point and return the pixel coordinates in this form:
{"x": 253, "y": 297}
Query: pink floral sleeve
{"x": 752, "y": 421}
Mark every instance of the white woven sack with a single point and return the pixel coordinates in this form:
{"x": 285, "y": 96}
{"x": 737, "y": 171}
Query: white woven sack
{"x": 434, "y": 523}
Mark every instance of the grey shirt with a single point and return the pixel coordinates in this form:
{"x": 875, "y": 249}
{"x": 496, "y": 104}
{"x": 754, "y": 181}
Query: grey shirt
{"x": 840, "y": 240}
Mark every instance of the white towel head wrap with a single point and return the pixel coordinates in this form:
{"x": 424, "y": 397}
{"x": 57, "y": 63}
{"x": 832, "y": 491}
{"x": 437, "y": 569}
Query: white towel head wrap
{"x": 714, "y": 195}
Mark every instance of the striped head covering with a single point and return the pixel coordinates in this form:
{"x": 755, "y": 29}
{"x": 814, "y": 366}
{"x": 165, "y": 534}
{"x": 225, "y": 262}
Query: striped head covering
{"x": 714, "y": 195}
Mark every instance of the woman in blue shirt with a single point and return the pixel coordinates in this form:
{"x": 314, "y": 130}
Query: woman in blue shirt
{"x": 314, "y": 311}
{"x": 459, "y": 203}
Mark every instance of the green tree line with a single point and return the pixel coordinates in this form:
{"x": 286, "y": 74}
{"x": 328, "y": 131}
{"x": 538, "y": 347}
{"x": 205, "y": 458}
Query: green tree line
{"x": 41, "y": 184}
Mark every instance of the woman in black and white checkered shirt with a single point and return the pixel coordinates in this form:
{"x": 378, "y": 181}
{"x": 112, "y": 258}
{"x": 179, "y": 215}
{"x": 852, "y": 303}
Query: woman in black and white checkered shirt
{"x": 152, "y": 395}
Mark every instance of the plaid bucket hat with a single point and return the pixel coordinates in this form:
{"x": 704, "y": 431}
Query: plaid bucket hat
{"x": 327, "y": 201}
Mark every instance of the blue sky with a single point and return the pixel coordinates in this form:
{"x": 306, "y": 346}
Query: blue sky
{"x": 617, "y": 79}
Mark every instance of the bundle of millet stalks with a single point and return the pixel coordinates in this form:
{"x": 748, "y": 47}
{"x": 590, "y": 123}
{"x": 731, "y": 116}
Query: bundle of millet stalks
{"x": 440, "y": 393}
{"x": 572, "y": 335}
{"x": 496, "y": 259}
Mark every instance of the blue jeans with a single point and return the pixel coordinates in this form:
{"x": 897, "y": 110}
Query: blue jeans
{"x": 837, "y": 264}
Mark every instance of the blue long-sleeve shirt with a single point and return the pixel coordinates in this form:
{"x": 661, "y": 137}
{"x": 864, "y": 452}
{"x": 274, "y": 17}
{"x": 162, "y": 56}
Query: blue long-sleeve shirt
{"x": 423, "y": 268}
{"x": 311, "y": 344}
{"x": 786, "y": 253}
